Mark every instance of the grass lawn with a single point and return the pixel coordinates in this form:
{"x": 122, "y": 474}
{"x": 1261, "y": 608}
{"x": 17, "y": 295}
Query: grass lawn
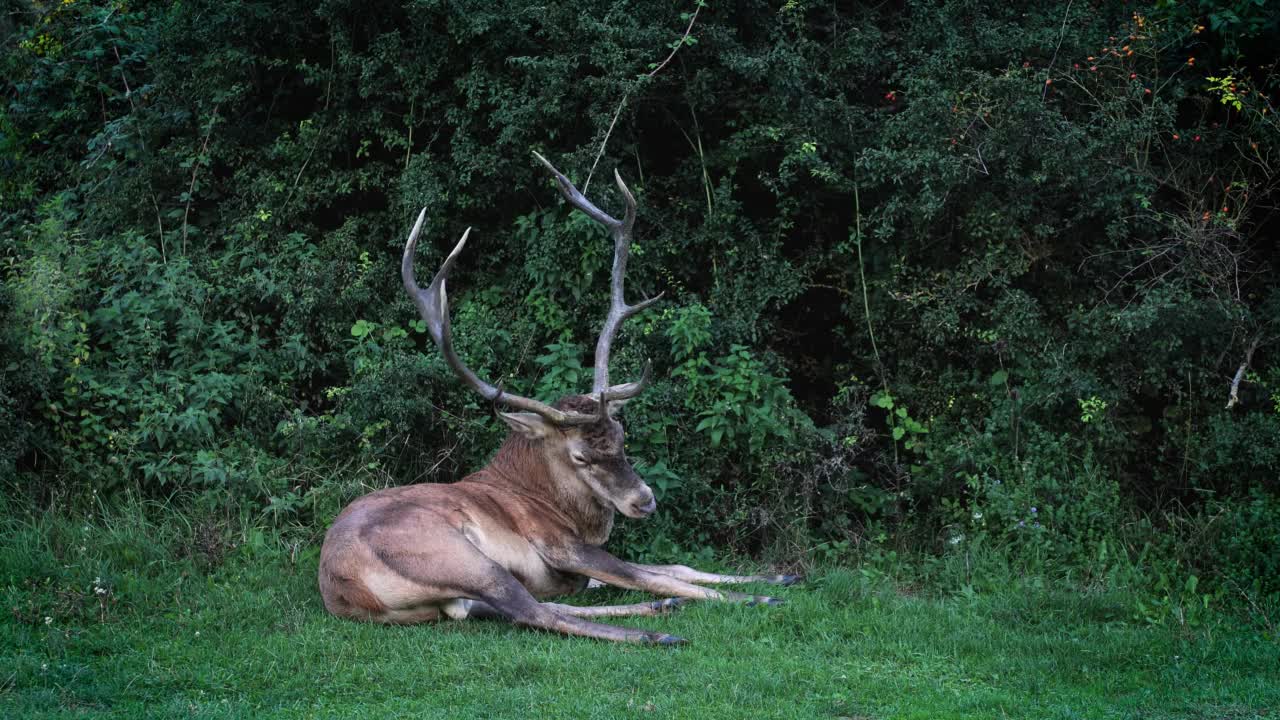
{"x": 249, "y": 638}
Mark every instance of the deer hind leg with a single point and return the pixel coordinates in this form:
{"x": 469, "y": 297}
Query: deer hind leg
{"x": 482, "y": 610}
{"x": 697, "y": 577}
{"x": 457, "y": 579}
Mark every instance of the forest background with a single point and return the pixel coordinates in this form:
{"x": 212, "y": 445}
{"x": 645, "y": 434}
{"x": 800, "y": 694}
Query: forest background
{"x": 983, "y": 284}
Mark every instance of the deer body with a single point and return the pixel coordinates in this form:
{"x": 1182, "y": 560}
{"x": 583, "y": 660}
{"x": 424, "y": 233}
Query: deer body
{"x": 452, "y": 533}
{"x": 512, "y": 513}
{"x": 529, "y": 526}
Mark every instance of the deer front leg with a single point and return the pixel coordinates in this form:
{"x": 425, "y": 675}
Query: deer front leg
{"x": 688, "y": 574}
{"x": 505, "y": 595}
{"x": 596, "y": 563}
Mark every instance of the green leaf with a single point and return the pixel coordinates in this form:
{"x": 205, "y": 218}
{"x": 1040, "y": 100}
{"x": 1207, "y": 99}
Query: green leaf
{"x": 999, "y": 377}
{"x": 898, "y": 432}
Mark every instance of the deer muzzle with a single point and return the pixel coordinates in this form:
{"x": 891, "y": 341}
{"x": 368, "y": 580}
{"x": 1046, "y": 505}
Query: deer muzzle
{"x": 643, "y": 506}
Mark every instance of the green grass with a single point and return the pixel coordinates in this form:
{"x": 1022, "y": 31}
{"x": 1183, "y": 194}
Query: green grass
{"x": 247, "y": 637}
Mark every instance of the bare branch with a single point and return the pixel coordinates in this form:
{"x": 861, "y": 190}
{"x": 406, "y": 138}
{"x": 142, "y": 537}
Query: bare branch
{"x": 1235, "y": 382}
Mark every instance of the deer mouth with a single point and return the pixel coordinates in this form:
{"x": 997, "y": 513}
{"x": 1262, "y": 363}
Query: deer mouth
{"x": 641, "y": 510}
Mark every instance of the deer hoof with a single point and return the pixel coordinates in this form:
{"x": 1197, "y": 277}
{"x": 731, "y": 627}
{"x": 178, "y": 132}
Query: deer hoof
{"x": 667, "y": 604}
{"x": 669, "y": 640}
{"x": 763, "y": 600}
{"x": 790, "y": 579}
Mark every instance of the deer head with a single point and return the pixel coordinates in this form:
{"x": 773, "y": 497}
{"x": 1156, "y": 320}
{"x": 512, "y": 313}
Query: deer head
{"x": 578, "y": 437}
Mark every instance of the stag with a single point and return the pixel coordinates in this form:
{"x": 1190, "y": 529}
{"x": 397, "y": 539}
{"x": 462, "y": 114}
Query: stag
{"x": 531, "y": 524}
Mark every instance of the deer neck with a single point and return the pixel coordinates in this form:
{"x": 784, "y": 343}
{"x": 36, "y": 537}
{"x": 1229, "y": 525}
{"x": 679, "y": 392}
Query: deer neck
{"x": 528, "y": 467}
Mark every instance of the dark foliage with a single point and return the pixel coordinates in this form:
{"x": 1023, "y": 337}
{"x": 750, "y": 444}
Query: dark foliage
{"x": 938, "y": 273}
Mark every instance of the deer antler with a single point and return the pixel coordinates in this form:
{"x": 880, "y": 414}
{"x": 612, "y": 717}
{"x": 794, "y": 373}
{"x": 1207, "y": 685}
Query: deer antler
{"x": 433, "y": 305}
{"x": 619, "y": 310}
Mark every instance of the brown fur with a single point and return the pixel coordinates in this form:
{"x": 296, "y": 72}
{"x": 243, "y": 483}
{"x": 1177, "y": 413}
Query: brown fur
{"x": 349, "y": 596}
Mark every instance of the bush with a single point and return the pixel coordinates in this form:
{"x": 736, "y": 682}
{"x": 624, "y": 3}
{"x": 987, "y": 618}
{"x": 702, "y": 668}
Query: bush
{"x": 926, "y": 267}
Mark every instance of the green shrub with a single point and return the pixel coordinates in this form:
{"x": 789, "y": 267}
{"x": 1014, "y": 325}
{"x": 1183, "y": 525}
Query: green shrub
{"x": 926, "y": 267}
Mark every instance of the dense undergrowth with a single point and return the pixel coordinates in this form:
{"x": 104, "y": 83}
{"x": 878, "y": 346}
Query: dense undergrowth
{"x": 956, "y": 280}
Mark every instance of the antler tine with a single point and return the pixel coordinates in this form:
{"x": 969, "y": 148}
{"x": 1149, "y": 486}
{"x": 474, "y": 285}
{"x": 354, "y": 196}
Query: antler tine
{"x": 629, "y": 219}
{"x": 619, "y": 310}
{"x": 626, "y": 391}
{"x": 578, "y": 200}
{"x": 433, "y": 305}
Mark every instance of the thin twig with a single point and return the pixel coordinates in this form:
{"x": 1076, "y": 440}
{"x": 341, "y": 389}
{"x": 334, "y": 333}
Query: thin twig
{"x": 676, "y": 48}
{"x": 128, "y": 95}
{"x": 696, "y": 146}
{"x": 128, "y": 92}
{"x": 823, "y": 286}
{"x": 164, "y": 258}
{"x": 408, "y": 151}
{"x": 195, "y": 169}
{"x": 605, "y": 142}
{"x": 1044, "y": 91}
{"x": 866, "y": 305}
{"x": 320, "y": 134}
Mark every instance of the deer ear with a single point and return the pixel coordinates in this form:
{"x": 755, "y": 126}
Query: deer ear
{"x": 531, "y": 425}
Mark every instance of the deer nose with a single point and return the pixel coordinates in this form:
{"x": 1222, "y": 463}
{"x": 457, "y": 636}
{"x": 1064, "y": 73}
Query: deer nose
{"x": 647, "y": 508}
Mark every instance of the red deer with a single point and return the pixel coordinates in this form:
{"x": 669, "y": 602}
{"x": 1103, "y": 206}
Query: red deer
{"x": 532, "y": 523}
